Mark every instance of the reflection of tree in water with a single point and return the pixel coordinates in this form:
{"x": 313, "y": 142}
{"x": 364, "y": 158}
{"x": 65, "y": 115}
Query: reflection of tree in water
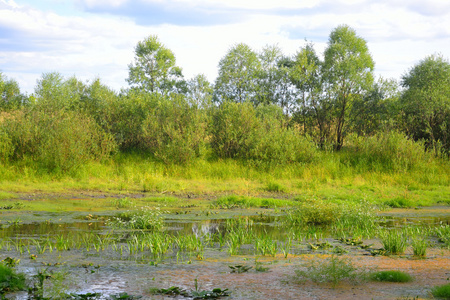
{"x": 207, "y": 228}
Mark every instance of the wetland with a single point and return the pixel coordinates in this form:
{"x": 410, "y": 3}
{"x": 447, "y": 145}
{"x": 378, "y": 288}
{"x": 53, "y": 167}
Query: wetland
{"x": 139, "y": 246}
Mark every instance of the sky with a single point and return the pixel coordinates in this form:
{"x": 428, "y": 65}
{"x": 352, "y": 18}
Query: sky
{"x": 93, "y": 39}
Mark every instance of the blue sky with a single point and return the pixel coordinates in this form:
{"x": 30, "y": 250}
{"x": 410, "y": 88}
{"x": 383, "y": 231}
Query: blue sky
{"x": 96, "y": 38}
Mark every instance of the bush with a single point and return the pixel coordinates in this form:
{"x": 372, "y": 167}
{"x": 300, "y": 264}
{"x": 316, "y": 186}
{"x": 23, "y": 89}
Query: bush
{"x": 175, "y": 131}
{"x": 240, "y": 131}
{"x": 233, "y": 129}
{"x": 56, "y": 140}
{"x": 387, "y": 151}
{"x": 391, "y": 276}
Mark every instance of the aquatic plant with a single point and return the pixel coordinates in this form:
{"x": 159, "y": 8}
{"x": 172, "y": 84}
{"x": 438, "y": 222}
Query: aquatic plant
{"x": 394, "y": 241}
{"x": 419, "y": 246}
{"x": 145, "y": 218}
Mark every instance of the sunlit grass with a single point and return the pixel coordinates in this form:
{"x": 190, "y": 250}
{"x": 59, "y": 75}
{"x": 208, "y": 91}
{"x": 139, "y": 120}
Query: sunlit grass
{"x": 328, "y": 178}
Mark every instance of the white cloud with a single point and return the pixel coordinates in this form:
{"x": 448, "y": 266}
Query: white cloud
{"x": 33, "y": 41}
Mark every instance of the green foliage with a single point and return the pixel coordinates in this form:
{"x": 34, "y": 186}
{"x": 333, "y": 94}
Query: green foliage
{"x": 352, "y": 218}
{"x": 348, "y": 69}
{"x": 154, "y": 68}
{"x": 400, "y": 202}
{"x": 394, "y": 241}
{"x": 441, "y": 291}
{"x": 232, "y": 129}
{"x": 391, "y": 276}
{"x": 260, "y": 135}
{"x": 426, "y": 102}
{"x": 123, "y": 203}
{"x": 387, "y": 151}
{"x": 419, "y": 246}
{"x": 10, "y": 281}
{"x": 57, "y": 140}
{"x": 237, "y": 75}
{"x": 10, "y": 96}
{"x": 314, "y": 212}
{"x": 443, "y": 234}
{"x": 332, "y": 270}
{"x": 275, "y": 187}
{"x": 145, "y": 218}
{"x": 175, "y": 131}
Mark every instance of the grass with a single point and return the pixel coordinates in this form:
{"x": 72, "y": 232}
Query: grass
{"x": 329, "y": 178}
{"x": 391, "y": 276}
{"x": 10, "y": 281}
{"x": 441, "y": 292}
{"x": 394, "y": 241}
{"x": 331, "y": 270}
{"x": 234, "y": 201}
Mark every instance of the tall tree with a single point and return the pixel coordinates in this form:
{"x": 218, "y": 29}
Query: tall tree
{"x": 273, "y": 84}
{"x": 348, "y": 67}
{"x": 154, "y": 68}
{"x": 313, "y": 108}
{"x": 237, "y": 75}
{"x": 426, "y": 101}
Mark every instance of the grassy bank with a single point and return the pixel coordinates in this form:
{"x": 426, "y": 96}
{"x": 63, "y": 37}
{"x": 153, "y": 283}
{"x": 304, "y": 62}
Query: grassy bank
{"x": 333, "y": 175}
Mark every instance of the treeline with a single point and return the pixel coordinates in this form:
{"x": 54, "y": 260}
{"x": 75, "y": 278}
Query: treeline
{"x": 264, "y": 107}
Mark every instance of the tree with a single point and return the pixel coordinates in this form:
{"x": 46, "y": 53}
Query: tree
{"x": 348, "y": 67}
{"x": 199, "y": 91}
{"x": 313, "y": 108}
{"x": 377, "y": 109}
{"x": 10, "y": 96}
{"x": 426, "y": 101}
{"x": 273, "y": 84}
{"x": 154, "y": 68}
{"x": 237, "y": 75}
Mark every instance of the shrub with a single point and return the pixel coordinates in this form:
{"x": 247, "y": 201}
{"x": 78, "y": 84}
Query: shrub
{"x": 233, "y": 128}
{"x": 441, "y": 291}
{"x": 57, "y": 140}
{"x": 387, "y": 151}
{"x": 175, "y": 131}
{"x": 391, "y": 276}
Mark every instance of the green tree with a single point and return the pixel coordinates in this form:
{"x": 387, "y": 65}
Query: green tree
{"x": 426, "y": 101}
{"x": 237, "y": 75}
{"x": 154, "y": 68}
{"x": 199, "y": 91}
{"x": 377, "y": 109}
{"x": 348, "y": 67}
{"x": 273, "y": 84}
{"x": 10, "y": 96}
{"x": 313, "y": 105}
